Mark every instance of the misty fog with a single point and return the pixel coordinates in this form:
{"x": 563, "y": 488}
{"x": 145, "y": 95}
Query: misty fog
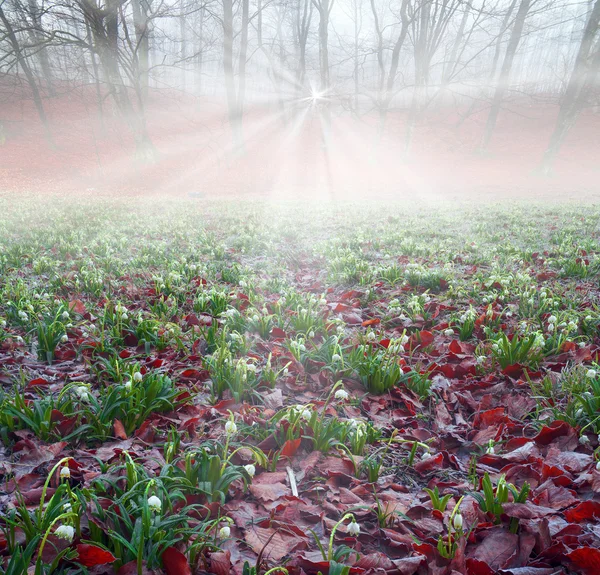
{"x": 300, "y": 98}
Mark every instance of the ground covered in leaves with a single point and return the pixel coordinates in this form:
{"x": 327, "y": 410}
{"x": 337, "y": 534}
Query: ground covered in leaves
{"x": 193, "y": 387}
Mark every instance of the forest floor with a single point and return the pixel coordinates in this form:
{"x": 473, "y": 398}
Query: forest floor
{"x": 284, "y": 156}
{"x": 373, "y": 387}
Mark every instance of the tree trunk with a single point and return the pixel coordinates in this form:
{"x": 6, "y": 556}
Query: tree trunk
{"x": 22, "y": 60}
{"x": 504, "y": 78}
{"x": 585, "y": 71}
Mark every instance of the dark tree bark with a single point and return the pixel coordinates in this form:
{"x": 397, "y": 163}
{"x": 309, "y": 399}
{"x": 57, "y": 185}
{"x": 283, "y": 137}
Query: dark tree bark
{"x": 584, "y": 76}
{"x": 503, "y": 80}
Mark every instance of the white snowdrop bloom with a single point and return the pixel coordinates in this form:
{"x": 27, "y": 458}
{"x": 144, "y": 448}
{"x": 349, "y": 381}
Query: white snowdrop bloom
{"x": 154, "y": 503}
{"x": 588, "y": 318}
{"x": 342, "y": 394}
{"x": 426, "y": 455}
{"x": 311, "y": 334}
{"x": 65, "y": 472}
{"x": 36, "y": 296}
{"x": 302, "y": 347}
{"x": 251, "y": 367}
{"x": 404, "y": 339}
{"x": 65, "y": 315}
{"x": 230, "y": 427}
{"x": 265, "y": 311}
{"x": 255, "y": 318}
{"x": 562, "y": 324}
{"x": 20, "y": 339}
{"x": 82, "y": 393}
{"x": 66, "y": 532}
{"x": 552, "y": 319}
{"x": 224, "y": 532}
{"x": 137, "y": 376}
{"x": 584, "y": 440}
{"x": 250, "y": 469}
{"x": 285, "y": 371}
{"x": 581, "y": 344}
{"x": 67, "y": 508}
{"x": 2, "y": 323}
{"x": 64, "y": 338}
{"x": 371, "y": 336}
{"x": 353, "y": 529}
{"x": 543, "y": 295}
{"x": 354, "y": 423}
{"x": 490, "y": 450}
{"x": 69, "y": 326}
{"x": 22, "y": 315}
{"x": 124, "y": 317}
{"x": 480, "y": 359}
{"x": 591, "y": 373}
{"x": 457, "y": 522}
{"x": 495, "y": 347}
{"x": 127, "y": 385}
{"x": 572, "y": 325}
{"x": 306, "y": 414}
{"x": 509, "y": 314}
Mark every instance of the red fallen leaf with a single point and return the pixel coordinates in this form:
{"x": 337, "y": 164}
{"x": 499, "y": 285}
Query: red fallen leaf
{"x": 515, "y": 370}
{"x": 220, "y": 563}
{"x": 342, "y": 307}
{"x": 90, "y": 555}
{"x": 385, "y": 343}
{"x": 290, "y": 447}
{"x": 190, "y": 373}
{"x": 175, "y": 562}
{"x": 278, "y": 333}
{"x": 77, "y": 306}
{"x": 425, "y": 465}
{"x": 119, "y": 430}
{"x": 369, "y": 322}
{"x": 125, "y": 354}
{"x": 476, "y": 567}
{"x": 39, "y": 381}
{"x": 587, "y": 559}
{"x": 425, "y": 337}
{"x": 585, "y": 511}
{"x": 549, "y": 433}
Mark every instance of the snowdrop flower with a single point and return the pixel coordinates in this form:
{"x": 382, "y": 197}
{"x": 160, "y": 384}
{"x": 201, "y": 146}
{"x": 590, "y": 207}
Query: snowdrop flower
{"x": 306, "y": 414}
{"x": 426, "y": 455}
{"x": 311, "y": 334}
{"x": 480, "y": 359}
{"x": 591, "y": 373}
{"x": 598, "y": 466}
{"x": 66, "y": 532}
{"x": 584, "y": 440}
{"x": 154, "y": 503}
{"x": 552, "y": 319}
{"x": 588, "y": 318}
{"x": 457, "y": 522}
{"x": 550, "y": 327}
{"x": 336, "y": 358}
{"x": 65, "y": 472}
{"x": 572, "y": 325}
{"x": 67, "y": 508}
{"x": 285, "y": 371}
{"x": 20, "y": 339}
{"x": 250, "y": 469}
{"x": 64, "y": 338}
{"x": 127, "y": 385}
{"x": 22, "y": 315}
{"x": 82, "y": 392}
{"x": 2, "y": 323}
{"x": 302, "y": 347}
{"x": 354, "y": 529}
{"x": 449, "y": 332}
{"x": 341, "y": 394}
{"x": 230, "y": 427}
{"x": 65, "y": 315}
{"x": 137, "y": 376}
{"x": 124, "y": 317}
{"x": 490, "y": 450}
{"x": 224, "y": 532}
{"x": 371, "y": 336}
{"x": 251, "y": 367}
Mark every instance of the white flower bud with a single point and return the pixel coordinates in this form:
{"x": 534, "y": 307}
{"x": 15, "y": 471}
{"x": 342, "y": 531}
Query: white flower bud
{"x": 66, "y": 532}
{"x": 250, "y": 469}
{"x": 154, "y": 503}
{"x": 224, "y": 532}
{"x": 230, "y": 427}
{"x": 354, "y": 529}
